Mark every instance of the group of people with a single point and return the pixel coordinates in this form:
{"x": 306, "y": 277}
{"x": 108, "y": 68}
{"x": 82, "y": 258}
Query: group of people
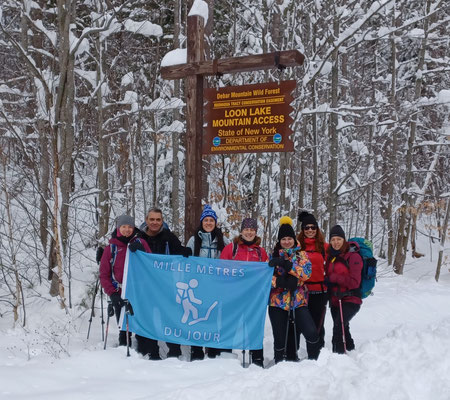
{"x": 308, "y": 274}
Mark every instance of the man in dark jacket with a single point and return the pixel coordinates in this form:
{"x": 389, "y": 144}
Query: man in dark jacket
{"x": 162, "y": 241}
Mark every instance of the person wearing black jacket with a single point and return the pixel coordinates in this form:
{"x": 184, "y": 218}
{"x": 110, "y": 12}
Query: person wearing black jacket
{"x": 162, "y": 241}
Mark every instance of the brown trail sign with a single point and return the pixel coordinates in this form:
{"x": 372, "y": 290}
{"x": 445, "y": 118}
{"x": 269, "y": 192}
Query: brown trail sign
{"x": 249, "y": 118}
{"x": 194, "y": 71}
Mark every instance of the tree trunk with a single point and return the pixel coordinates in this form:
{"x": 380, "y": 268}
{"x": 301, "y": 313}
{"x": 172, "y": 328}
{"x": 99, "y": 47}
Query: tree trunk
{"x": 333, "y": 133}
{"x": 407, "y": 198}
{"x": 443, "y": 238}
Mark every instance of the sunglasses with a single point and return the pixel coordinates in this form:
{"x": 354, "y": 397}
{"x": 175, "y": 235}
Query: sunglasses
{"x": 309, "y": 228}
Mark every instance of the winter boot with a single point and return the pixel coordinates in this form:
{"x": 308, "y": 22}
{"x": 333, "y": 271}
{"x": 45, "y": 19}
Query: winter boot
{"x": 123, "y": 338}
{"x": 349, "y": 343}
{"x": 146, "y": 346}
{"x": 197, "y": 353}
{"x": 278, "y": 355}
{"x": 257, "y": 357}
{"x": 338, "y": 346}
{"x": 174, "y": 350}
{"x": 313, "y": 350}
{"x": 212, "y": 353}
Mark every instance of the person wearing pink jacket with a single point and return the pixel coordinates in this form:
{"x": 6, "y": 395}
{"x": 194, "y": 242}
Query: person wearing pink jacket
{"x": 112, "y": 264}
{"x": 246, "y": 247}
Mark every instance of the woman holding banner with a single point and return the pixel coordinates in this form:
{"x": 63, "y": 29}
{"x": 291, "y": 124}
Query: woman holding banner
{"x": 288, "y": 311}
{"x": 112, "y": 264}
{"x": 246, "y": 247}
{"x": 208, "y": 241}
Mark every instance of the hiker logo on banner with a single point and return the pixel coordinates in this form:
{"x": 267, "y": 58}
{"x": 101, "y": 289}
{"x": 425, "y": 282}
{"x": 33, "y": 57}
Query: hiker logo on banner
{"x": 197, "y": 301}
{"x": 249, "y": 118}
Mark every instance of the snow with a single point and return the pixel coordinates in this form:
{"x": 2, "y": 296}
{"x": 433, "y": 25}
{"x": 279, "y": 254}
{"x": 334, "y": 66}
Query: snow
{"x": 199, "y": 8}
{"x": 174, "y": 57}
{"x": 127, "y": 79}
{"x": 145, "y": 28}
{"x": 401, "y": 334}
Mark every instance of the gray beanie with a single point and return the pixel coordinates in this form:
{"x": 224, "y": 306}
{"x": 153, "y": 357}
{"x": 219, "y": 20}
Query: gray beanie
{"x": 125, "y": 220}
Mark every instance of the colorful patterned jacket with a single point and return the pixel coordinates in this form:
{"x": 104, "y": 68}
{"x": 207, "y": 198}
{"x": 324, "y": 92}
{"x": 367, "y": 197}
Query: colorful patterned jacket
{"x": 301, "y": 269}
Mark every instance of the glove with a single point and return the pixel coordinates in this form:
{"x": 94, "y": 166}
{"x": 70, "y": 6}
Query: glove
{"x": 136, "y": 245}
{"x": 187, "y": 252}
{"x": 116, "y": 300}
{"x": 99, "y": 254}
{"x": 328, "y": 283}
{"x": 287, "y": 265}
{"x": 281, "y": 282}
{"x": 291, "y": 282}
{"x": 276, "y": 261}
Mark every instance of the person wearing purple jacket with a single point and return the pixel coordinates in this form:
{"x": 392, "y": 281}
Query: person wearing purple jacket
{"x": 112, "y": 264}
{"x": 343, "y": 277}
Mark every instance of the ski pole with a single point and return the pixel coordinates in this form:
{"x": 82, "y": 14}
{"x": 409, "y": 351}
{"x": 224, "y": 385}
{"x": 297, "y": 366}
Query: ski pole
{"x": 110, "y": 314}
{"x": 128, "y": 311}
{"x": 103, "y": 320}
{"x": 296, "y": 344}
{"x": 92, "y": 309}
{"x": 342, "y": 324}
{"x": 286, "y": 336}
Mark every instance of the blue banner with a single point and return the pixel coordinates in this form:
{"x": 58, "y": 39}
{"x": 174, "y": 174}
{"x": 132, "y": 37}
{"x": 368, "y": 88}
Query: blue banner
{"x": 197, "y": 301}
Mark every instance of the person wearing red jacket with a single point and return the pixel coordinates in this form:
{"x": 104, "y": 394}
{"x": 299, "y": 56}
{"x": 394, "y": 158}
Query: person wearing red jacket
{"x": 246, "y": 247}
{"x": 112, "y": 265}
{"x": 288, "y": 301}
{"x": 343, "y": 277}
{"x": 312, "y": 241}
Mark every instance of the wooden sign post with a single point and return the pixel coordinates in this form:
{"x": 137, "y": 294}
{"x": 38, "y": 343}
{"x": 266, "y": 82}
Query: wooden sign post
{"x": 194, "y": 71}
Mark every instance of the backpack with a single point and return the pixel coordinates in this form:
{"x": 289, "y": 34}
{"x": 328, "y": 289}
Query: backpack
{"x": 235, "y": 249}
{"x": 369, "y": 269}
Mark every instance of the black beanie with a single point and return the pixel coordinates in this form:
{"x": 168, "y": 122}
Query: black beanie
{"x": 307, "y": 219}
{"x": 337, "y": 231}
{"x": 286, "y": 230}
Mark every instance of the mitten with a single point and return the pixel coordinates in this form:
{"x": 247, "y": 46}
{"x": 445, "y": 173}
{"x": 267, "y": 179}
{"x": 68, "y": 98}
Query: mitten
{"x": 116, "y": 300}
{"x": 136, "y": 245}
{"x": 99, "y": 254}
{"x": 276, "y": 261}
{"x": 187, "y": 252}
{"x": 291, "y": 282}
{"x": 287, "y": 265}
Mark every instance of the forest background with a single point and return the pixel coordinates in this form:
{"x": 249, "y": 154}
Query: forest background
{"x": 89, "y": 130}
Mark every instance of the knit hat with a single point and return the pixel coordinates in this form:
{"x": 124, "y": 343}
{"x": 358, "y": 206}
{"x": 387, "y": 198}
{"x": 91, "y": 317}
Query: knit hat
{"x": 208, "y": 212}
{"x": 337, "y": 231}
{"x": 125, "y": 220}
{"x": 249, "y": 223}
{"x": 306, "y": 219}
{"x": 286, "y": 229}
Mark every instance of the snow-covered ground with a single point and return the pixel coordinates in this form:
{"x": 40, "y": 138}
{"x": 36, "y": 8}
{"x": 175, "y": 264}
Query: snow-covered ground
{"x": 402, "y": 337}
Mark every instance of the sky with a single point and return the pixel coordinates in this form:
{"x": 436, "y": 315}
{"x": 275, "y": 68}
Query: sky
{"x": 402, "y": 337}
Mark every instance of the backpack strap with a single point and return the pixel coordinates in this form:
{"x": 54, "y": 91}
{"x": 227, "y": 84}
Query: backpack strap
{"x": 113, "y": 248}
{"x": 235, "y": 249}
{"x": 167, "y": 249}
{"x": 258, "y": 250}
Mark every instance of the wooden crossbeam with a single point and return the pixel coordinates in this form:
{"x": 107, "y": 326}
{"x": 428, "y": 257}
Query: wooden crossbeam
{"x": 286, "y": 58}
{"x": 194, "y": 72}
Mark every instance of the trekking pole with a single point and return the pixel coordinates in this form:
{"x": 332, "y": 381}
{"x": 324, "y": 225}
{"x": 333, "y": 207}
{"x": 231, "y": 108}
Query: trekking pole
{"x": 128, "y": 311}
{"x": 103, "y": 320}
{"x": 286, "y": 336}
{"x": 92, "y": 308}
{"x": 296, "y": 344}
{"x": 342, "y": 324}
{"x": 110, "y": 314}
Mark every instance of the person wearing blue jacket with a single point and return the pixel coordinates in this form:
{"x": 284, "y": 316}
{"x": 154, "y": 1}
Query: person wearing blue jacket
{"x": 208, "y": 241}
